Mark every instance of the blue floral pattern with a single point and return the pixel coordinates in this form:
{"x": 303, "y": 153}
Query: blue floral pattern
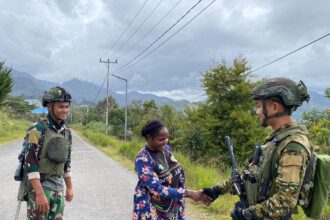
{"x": 150, "y": 188}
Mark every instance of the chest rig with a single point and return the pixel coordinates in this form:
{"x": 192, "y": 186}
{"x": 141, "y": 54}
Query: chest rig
{"x": 259, "y": 177}
{"x": 54, "y": 152}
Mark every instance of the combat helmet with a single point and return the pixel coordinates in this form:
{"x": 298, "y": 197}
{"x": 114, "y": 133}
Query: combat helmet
{"x": 283, "y": 90}
{"x": 55, "y": 94}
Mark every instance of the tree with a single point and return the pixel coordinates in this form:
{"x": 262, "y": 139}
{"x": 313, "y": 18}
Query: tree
{"x": 150, "y": 107}
{"x": 318, "y": 124}
{"x": 116, "y": 122}
{"x": 134, "y": 115}
{"x": 98, "y": 112}
{"x": 227, "y": 111}
{"x": 18, "y": 105}
{"x": 172, "y": 119}
{"x": 6, "y": 82}
{"x": 327, "y": 92}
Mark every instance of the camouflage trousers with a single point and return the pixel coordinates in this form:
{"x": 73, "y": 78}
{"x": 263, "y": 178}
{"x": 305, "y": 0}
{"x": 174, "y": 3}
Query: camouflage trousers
{"x": 55, "y": 202}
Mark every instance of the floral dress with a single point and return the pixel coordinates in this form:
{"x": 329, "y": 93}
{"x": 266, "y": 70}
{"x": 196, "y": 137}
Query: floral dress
{"x": 160, "y": 191}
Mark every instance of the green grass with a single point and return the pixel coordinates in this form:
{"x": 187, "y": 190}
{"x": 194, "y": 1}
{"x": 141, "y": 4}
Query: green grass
{"x": 197, "y": 175}
{"x": 14, "y": 129}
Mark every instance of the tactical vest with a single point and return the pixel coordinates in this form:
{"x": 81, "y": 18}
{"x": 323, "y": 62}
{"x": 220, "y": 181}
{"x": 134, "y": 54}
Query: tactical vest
{"x": 54, "y": 152}
{"x": 259, "y": 183}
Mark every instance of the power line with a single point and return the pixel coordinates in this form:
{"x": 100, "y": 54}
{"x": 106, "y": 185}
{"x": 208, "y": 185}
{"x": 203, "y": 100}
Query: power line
{"x": 144, "y": 21}
{"x": 101, "y": 87}
{"x": 151, "y": 30}
{"x": 128, "y": 26}
{"x": 271, "y": 62}
{"x": 125, "y": 67}
{"x": 142, "y": 52}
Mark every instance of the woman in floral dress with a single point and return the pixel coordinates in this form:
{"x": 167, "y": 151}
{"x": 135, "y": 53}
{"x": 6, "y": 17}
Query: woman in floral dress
{"x": 160, "y": 192}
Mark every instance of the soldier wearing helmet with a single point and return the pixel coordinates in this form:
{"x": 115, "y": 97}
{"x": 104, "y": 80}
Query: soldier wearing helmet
{"x": 48, "y": 159}
{"x": 274, "y": 185}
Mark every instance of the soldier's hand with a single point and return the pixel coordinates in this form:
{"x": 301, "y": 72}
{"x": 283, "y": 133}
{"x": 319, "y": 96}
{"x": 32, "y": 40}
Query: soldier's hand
{"x": 242, "y": 214}
{"x": 212, "y": 192}
{"x": 69, "y": 194}
{"x": 42, "y": 205}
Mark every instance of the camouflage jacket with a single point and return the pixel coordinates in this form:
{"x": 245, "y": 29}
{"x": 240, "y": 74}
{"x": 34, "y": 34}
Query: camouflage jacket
{"x": 286, "y": 183}
{"x": 33, "y": 146}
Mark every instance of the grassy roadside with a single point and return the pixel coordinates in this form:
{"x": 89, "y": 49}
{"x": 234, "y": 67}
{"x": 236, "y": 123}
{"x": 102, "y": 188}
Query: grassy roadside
{"x": 197, "y": 176}
{"x": 14, "y": 129}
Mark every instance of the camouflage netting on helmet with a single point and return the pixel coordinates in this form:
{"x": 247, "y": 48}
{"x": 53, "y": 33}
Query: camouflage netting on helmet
{"x": 55, "y": 94}
{"x": 291, "y": 94}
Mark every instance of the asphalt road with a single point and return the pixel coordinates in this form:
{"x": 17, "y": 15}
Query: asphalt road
{"x": 102, "y": 188}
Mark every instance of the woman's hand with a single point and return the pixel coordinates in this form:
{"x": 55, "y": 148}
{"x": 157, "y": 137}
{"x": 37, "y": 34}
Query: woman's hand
{"x": 198, "y": 196}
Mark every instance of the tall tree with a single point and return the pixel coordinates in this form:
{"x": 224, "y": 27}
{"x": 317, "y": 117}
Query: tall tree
{"x": 327, "y": 92}
{"x": 172, "y": 119}
{"x": 18, "y": 105}
{"x": 227, "y": 111}
{"x": 318, "y": 124}
{"x": 98, "y": 112}
{"x": 6, "y": 82}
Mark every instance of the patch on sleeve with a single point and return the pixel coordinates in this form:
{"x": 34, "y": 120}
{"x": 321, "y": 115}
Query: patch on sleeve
{"x": 291, "y": 166}
{"x": 34, "y": 136}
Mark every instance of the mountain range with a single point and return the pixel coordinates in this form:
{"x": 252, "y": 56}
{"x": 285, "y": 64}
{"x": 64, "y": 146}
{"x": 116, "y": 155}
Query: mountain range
{"x": 85, "y": 92}
{"x": 81, "y": 91}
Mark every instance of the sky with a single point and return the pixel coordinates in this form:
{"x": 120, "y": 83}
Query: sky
{"x": 58, "y": 40}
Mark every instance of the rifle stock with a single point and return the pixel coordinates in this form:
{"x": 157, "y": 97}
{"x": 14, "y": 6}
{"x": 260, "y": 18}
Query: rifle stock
{"x": 19, "y": 172}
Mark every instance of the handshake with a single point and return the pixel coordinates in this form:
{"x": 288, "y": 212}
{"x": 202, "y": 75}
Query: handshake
{"x": 206, "y": 195}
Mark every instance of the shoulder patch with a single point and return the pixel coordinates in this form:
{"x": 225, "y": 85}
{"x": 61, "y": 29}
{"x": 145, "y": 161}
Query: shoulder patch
{"x": 296, "y": 147}
{"x": 34, "y": 136}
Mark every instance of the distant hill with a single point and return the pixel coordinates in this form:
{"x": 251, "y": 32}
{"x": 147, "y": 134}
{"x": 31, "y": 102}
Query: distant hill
{"x": 25, "y": 84}
{"x": 317, "y": 101}
{"x": 28, "y": 86}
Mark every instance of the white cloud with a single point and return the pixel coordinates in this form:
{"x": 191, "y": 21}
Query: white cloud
{"x": 177, "y": 94}
{"x": 59, "y": 40}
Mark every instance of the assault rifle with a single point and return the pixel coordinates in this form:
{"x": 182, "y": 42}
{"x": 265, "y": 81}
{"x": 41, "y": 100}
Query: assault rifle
{"x": 19, "y": 173}
{"x": 236, "y": 179}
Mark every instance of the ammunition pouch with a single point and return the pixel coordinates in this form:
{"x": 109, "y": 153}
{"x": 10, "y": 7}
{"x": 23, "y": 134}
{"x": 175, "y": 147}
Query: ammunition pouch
{"x": 57, "y": 149}
{"x": 54, "y": 153}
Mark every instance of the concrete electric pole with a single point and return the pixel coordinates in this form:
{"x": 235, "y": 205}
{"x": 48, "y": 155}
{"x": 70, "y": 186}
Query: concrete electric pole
{"x": 121, "y": 78}
{"x": 107, "y": 98}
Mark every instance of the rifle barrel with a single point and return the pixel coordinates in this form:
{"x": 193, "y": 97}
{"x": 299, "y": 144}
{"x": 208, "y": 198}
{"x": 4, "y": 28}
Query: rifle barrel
{"x": 231, "y": 152}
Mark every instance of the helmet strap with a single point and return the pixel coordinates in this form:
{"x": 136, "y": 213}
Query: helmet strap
{"x": 267, "y": 117}
{"x": 52, "y": 112}
{"x": 265, "y": 112}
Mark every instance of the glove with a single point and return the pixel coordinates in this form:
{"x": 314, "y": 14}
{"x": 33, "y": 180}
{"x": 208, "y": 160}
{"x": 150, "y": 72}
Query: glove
{"x": 212, "y": 192}
{"x": 242, "y": 214}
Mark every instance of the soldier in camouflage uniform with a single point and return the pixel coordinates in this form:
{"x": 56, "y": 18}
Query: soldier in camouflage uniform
{"x": 48, "y": 159}
{"x": 273, "y": 186}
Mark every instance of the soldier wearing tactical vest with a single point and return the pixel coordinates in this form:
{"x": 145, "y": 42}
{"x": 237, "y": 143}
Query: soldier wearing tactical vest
{"x": 48, "y": 160}
{"x": 273, "y": 186}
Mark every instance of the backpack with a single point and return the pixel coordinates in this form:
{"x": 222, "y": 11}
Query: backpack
{"x": 321, "y": 185}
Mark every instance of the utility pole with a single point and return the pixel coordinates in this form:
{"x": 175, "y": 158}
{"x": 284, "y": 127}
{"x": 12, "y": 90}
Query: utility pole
{"x": 126, "y": 82}
{"x": 107, "y": 99}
